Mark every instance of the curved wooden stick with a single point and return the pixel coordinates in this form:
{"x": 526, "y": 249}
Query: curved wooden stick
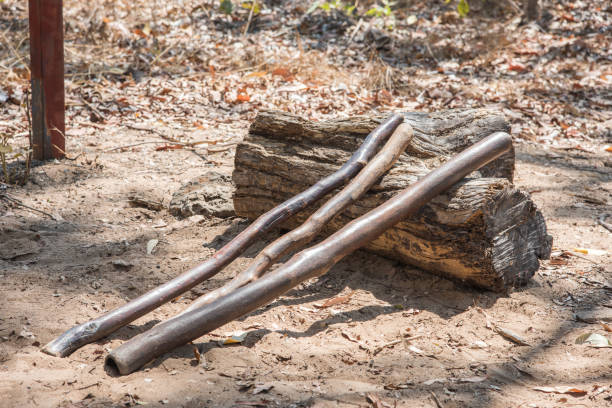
{"x": 306, "y": 264}
{"x": 93, "y": 330}
{"x": 306, "y": 232}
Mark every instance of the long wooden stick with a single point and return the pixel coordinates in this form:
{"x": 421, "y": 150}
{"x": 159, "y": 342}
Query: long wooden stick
{"x": 306, "y": 264}
{"x": 301, "y": 236}
{"x": 93, "y": 330}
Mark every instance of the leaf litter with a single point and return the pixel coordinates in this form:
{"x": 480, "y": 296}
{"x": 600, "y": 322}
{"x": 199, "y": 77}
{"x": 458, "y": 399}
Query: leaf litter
{"x": 188, "y": 72}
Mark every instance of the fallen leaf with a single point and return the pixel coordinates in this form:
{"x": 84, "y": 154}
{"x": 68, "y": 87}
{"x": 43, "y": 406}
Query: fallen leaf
{"x": 475, "y": 379}
{"x": 594, "y": 339}
{"x": 513, "y": 337}
{"x": 561, "y": 390}
{"x": 260, "y": 388}
{"x": 349, "y": 337}
{"x": 517, "y": 67}
{"x": 243, "y": 97}
{"x": 558, "y": 261}
{"x": 151, "y": 245}
{"x": 257, "y": 74}
{"x": 121, "y": 264}
{"x": 335, "y": 301}
{"x": 283, "y": 72}
{"x": 434, "y": 380}
{"x": 169, "y": 147}
{"x": 590, "y": 251}
{"x": 196, "y": 353}
{"x": 415, "y": 350}
{"x": 233, "y": 339}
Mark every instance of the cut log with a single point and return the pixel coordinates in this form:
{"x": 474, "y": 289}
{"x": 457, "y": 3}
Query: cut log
{"x": 483, "y": 232}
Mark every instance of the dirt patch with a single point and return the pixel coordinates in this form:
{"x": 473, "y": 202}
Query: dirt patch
{"x": 401, "y": 335}
{"x": 79, "y": 248}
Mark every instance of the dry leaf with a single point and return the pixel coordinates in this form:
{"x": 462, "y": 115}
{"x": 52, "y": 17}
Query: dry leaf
{"x": 257, "y": 74}
{"x": 169, "y": 147}
{"x": 475, "y": 379}
{"x": 590, "y": 251}
{"x": 151, "y": 246}
{"x": 561, "y": 390}
{"x": 235, "y": 339}
{"x": 335, "y": 301}
{"x": 196, "y": 353}
{"x": 243, "y": 97}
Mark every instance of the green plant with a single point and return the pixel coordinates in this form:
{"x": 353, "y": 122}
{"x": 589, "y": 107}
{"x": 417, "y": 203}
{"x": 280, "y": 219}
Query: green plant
{"x": 463, "y": 8}
{"x": 380, "y": 11}
{"x": 227, "y": 6}
{"x": 327, "y": 6}
{"x": 8, "y": 153}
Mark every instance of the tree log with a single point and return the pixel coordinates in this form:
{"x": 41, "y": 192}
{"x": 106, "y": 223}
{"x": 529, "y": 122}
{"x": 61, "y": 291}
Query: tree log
{"x": 483, "y": 231}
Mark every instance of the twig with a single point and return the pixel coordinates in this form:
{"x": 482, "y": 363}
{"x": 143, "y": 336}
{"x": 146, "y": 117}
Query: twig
{"x": 246, "y": 28}
{"x": 15, "y": 53}
{"x": 384, "y": 346}
{"x": 436, "y": 400}
{"x": 88, "y": 386}
{"x": 157, "y": 132}
{"x": 143, "y": 143}
{"x": 161, "y": 54}
{"x": 19, "y": 203}
{"x": 602, "y": 221}
{"x": 93, "y": 109}
{"x": 221, "y": 148}
{"x": 354, "y": 32}
{"x": 29, "y": 156}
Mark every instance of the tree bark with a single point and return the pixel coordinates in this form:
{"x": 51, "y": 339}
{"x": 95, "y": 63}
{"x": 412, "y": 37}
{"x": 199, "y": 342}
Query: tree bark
{"x": 483, "y": 231}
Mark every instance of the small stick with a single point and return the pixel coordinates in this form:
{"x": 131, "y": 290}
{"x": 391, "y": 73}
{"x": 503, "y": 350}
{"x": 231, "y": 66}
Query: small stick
{"x": 246, "y": 28}
{"x": 312, "y": 262}
{"x": 436, "y": 400}
{"x": 20, "y": 204}
{"x": 301, "y": 236}
{"x": 602, "y": 221}
{"x": 93, "y": 330}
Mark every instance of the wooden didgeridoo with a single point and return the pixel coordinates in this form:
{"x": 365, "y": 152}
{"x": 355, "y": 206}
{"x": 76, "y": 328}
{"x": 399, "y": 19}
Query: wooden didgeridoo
{"x": 106, "y": 324}
{"x": 302, "y": 235}
{"x": 309, "y": 263}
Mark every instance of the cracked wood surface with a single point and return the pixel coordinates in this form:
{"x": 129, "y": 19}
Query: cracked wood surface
{"x": 483, "y": 232}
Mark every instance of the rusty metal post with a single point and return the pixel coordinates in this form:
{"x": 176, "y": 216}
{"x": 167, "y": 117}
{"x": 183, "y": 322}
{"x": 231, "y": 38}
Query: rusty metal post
{"x": 47, "y": 76}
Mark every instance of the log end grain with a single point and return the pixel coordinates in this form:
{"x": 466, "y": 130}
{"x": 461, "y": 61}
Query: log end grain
{"x": 483, "y": 232}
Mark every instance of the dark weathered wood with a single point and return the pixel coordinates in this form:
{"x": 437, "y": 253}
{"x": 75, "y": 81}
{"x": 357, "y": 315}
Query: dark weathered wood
{"x": 95, "y": 329}
{"x": 532, "y": 10}
{"x": 305, "y": 233}
{"x": 483, "y": 231}
{"x": 306, "y": 264}
{"x": 47, "y": 77}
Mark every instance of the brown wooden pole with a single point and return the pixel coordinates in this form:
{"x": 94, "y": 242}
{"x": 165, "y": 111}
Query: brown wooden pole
{"x": 307, "y": 264}
{"x": 302, "y": 235}
{"x": 47, "y": 77}
{"x": 95, "y": 329}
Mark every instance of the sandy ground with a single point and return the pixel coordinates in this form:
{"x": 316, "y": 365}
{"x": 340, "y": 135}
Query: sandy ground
{"x": 189, "y": 73}
{"x": 62, "y": 269}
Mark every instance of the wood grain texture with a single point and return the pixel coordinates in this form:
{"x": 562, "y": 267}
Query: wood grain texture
{"x": 483, "y": 232}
